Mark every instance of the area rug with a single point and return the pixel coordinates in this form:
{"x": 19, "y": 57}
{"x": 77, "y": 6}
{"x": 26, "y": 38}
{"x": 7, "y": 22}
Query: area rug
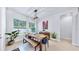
{"x": 17, "y": 49}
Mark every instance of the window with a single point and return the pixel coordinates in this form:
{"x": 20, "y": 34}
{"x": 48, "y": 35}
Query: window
{"x": 32, "y": 26}
{"x": 19, "y": 24}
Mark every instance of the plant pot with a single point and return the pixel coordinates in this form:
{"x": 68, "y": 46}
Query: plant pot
{"x": 54, "y": 37}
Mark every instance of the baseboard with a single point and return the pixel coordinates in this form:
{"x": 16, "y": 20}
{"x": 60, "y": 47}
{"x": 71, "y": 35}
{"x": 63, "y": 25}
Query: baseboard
{"x": 55, "y": 39}
{"x": 75, "y": 44}
{"x": 58, "y": 40}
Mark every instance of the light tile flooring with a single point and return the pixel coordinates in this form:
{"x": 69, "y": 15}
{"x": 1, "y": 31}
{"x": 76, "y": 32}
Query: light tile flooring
{"x": 63, "y": 45}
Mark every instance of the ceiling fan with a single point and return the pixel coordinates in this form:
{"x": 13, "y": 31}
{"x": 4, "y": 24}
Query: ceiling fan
{"x": 35, "y": 14}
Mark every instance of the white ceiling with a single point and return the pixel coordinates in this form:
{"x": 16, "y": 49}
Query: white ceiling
{"x": 42, "y": 11}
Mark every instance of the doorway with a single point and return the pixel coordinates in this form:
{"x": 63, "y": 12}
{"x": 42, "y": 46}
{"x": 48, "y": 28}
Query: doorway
{"x": 66, "y": 28}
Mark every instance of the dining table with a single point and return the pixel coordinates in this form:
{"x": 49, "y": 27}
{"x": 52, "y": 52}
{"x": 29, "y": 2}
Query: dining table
{"x": 37, "y": 38}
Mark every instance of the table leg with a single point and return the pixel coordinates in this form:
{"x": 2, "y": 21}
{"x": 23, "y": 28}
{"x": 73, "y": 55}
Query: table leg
{"x": 35, "y": 48}
{"x": 48, "y": 43}
{"x": 40, "y": 46}
{"x": 23, "y": 40}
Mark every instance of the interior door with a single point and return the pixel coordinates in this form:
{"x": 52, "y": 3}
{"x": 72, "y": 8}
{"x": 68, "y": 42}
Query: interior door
{"x": 66, "y": 27}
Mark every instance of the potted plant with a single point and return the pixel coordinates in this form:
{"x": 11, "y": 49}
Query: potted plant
{"x": 12, "y": 36}
{"x": 54, "y": 35}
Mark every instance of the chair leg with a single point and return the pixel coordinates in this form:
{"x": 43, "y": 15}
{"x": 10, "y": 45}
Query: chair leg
{"x": 35, "y": 48}
{"x": 40, "y": 46}
{"x": 45, "y": 47}
{"x": 48, "y": 43}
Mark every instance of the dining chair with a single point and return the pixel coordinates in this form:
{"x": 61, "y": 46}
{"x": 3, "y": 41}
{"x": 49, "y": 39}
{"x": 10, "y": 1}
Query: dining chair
{"x": 45, "y": 42}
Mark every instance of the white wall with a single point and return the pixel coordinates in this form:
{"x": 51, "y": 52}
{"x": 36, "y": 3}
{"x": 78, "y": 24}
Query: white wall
{"x": 10, "y": 16}
{"x": 66, "y": 27}
{"x": 76, "y": 29}
{"x": 54, "y": 22}
{"x": 2, "y": 27}
{"x": 0, "y": 20}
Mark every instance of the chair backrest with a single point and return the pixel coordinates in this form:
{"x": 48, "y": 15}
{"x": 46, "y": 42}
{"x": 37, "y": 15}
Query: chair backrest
{"x": 45, "y": 41}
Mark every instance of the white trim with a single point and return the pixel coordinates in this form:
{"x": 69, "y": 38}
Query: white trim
{"x": 3, "y": 27}
{"x": 55, "y": 39}
{"x": 75, "y": 44}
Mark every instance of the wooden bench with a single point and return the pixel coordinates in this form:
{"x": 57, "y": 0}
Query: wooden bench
{"x": 32, "y": 42}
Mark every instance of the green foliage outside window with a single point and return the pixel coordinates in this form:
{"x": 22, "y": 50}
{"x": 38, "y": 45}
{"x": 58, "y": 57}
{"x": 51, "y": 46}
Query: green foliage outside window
{"x": 19, "y": 24}
{"x": 32, "y": 26}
